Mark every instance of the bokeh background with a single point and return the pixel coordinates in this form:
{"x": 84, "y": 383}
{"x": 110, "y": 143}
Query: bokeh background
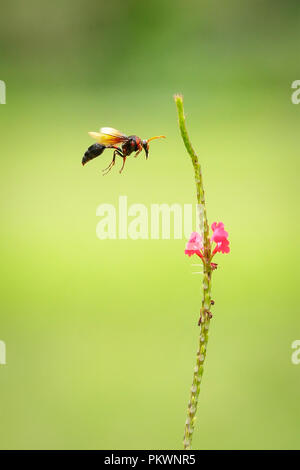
{"x": 101, "y": 336}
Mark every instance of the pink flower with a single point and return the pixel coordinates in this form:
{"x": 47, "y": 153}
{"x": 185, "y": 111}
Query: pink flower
{"x": 194, "y": 245}
{"x": 219, "y": 233}
{"x": 220, "y": 237}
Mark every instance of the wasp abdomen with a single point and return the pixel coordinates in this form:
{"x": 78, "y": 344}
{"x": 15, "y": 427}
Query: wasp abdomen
{"x": 92, "y": 152}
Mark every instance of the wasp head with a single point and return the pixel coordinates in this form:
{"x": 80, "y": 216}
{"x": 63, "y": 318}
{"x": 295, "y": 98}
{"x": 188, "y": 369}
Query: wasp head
{"x": 145, "y": 145}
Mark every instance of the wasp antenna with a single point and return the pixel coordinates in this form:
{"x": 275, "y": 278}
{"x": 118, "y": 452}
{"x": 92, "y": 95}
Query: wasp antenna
{"x": 157, "y": 137}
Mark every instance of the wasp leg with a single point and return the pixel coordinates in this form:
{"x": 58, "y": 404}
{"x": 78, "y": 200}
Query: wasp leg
{"x": 112, "y": 163}
{"x": 124, "y": 160}
{"x": 139, "y": 151}
{"x": 107, "y": 170}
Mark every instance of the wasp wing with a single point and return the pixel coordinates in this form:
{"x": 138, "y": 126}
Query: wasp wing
{"x": 113, "y": 135}
{"x": 108, "y": 136}
{"x": 113, "y": 132}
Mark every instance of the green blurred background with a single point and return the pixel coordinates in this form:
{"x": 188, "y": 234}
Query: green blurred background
{"x": 101, "y": 336}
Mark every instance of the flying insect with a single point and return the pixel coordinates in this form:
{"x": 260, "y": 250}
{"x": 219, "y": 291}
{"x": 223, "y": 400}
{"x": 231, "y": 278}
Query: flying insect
{"x": 122, "y": 145}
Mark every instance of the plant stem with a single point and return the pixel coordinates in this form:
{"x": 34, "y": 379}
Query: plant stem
{"x": 204, "y": 228}
{"x": 205, "y": 315}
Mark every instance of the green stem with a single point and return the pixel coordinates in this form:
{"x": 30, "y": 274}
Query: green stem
{"x": 204, "y": 228}
{"x": 205, "y": 315}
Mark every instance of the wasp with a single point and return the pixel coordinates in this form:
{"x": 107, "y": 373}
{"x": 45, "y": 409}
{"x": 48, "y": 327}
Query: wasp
{"x": 122, "y": 144}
